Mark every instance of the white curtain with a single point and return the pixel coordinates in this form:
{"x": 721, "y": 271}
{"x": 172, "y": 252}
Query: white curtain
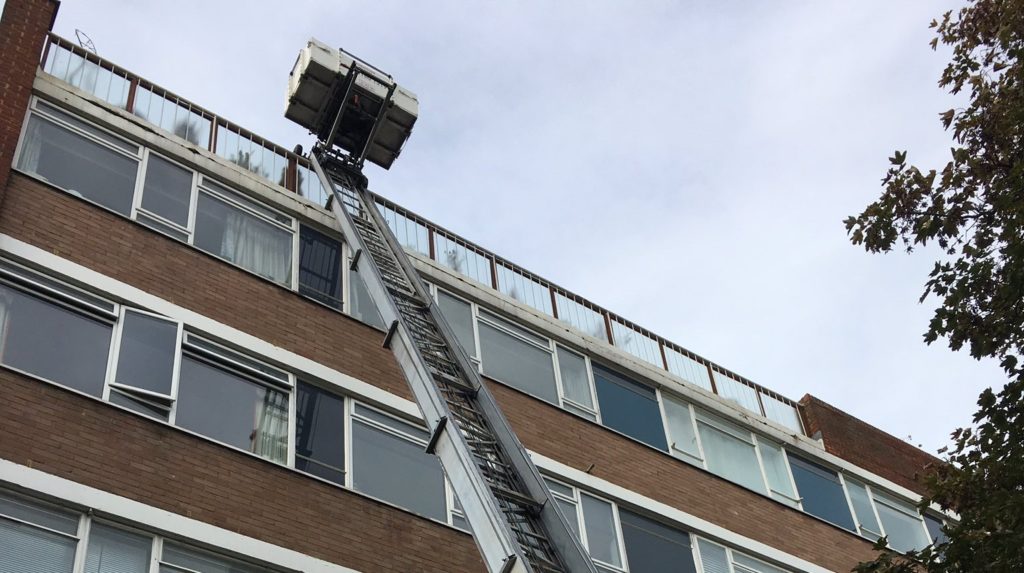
{"x": 32, "y": 149}
{"x": 257, "y": 246}
{"x": 270, "y": 439}
{"x": 6, "y": 301}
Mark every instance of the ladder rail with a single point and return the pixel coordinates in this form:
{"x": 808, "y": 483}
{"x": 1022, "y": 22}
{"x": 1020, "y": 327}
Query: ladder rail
{"x": 497, "y": 510}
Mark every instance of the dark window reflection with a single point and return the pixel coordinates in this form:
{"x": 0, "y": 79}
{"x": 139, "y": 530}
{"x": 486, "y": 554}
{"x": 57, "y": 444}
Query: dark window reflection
{"x": 397, "y": 470}
{"x": 168, "y": 190}
{"x": 821, "y": 492}
{"x": 148, "y": 348}
{"x": 517, "y": 363}
{"x": 629, "y": 407}
{"x": 79, "y": 165}
{"x": 320, "y": 267}
{"x": 655, "y": 548}
{"x": 231, "y": 409}
{"x": 53, "y": 342}
{"x": 320, "y": 433}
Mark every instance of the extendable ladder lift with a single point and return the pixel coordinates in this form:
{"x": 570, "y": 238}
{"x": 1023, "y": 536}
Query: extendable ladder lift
{"x": 515, "y": 521}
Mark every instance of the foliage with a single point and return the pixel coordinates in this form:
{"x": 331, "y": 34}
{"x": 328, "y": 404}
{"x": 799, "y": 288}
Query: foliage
{"x": 972, "y": 209}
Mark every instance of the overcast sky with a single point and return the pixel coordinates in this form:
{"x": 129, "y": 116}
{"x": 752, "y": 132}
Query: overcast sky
{"x": 685, "y": 164}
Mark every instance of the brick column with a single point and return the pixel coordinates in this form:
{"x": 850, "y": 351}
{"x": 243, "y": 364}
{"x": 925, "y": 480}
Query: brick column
{"x": 23, "y": 29}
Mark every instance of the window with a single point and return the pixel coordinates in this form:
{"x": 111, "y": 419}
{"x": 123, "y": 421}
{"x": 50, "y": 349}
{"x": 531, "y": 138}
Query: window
{"x": 320, "y": 433}
{"x": 85, "y": 161}
{"x": 178, "y": 558}
{"x": 935, "y": 530}
{"x": 863, "y": 509}
{"x": 565, "y": 497}
{"x": 389, "y": 462}
{"x": 682, "y": 431}
{"x": 144, "y": 373}
{"x": 320, "y": 267}
{"x": 821, "y": 492}
{"x": 222, "y": 397}
{"x": 602, "y": 539}
{"x": 35, "y": 538}
{"x": 716, "y": 558}
{"x": 459, "y": 315}
{"x": 242, "y": 232}
{"x": 361, "y": 305}
{"x": 574, "y": 375}
{"x": 730, "y": 451}
{"x": 53, "y": 333}
{"x": 112, "y": 550}
{"x": 629, "y": 407}
{"x": 517, "y": 357}
{"x": 167, "y": 196}
{"x": 902, "y": 523}
{"x": 652, "y": 547}
{"x": 776, "y": 470}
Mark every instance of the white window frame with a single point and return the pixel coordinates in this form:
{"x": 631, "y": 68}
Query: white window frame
{"x": 110, "y": 381}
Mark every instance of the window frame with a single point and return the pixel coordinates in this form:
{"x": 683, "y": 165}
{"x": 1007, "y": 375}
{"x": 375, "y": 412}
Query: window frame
{"x": 110, "y": 381}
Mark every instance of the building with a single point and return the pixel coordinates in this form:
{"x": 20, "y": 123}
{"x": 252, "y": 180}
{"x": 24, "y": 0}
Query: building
{"x": 193, "y": 379}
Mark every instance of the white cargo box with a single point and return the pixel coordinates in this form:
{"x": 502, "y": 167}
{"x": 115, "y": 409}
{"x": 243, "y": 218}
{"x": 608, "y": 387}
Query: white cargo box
{"x": 316, "y": 87}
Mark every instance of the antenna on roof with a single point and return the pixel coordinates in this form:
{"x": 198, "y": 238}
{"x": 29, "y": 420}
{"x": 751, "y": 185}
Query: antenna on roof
{"x": 85, "y": 41}
{"x": 356, "y": 111}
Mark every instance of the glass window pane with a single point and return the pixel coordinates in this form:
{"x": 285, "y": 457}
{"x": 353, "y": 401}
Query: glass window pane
{"x": 79, "y": 165}
{"x": 320, "y": 433}
{"x": 362, "y": 306}
{"x": 320, "y": 267}
{"x": 751, "y": 564}
{"x": 630, "y": 408}
{"x": 244, "y": 239}
{"x": 713, "y": 557}
{"x": 821, "y": 493}
{"x": 682, "y": 436}
{"x": 654, "y": 548}
{"x": 687, "y": 368}
{"x": 26, "y": 549}
{"x": 732, "y": 389}
{"x": 168, "y": 190}
{"x": 636, "y": 343}
{"x": 729, "y": 456}
{"x": 524, "y": 289}
{"x": 862, "y": 507}
{"x": 92, "y": 130}
{"x": 584, "y": 319}
{"x": 135, "y": 404}
{"x": 572, "y": 368}
{"x": 902, "y": 525}
{"x": 46, "y": 516}
{"x": 517, "y": 363}
{"x": 232, "y": 409}
{"x": 397, "y": 470}
{"x": 935, "y": 530}
{"x": 462, "y": 259}
{"x": 194, "y": 560}
{"x": 777, "y": 471}
{"x": 778, "y": 411}
{"x": 114, "y": 551}
{"x": 52, "y": 342}
{"x": 599, "y": 522}
{"x": 148, "y": 348}
{"x": 459, "y": 315}
{"x": 568, "y": 510}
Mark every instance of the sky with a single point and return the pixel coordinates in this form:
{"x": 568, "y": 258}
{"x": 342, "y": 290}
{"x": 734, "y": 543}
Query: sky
{"x": 687, "y": 165}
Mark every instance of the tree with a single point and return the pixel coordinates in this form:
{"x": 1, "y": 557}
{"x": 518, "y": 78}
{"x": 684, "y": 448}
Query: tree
{"x": 972, "y": 209}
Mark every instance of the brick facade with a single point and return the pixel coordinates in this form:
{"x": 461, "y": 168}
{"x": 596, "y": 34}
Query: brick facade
{"x": 90, "y": 442}
{"x": 23, "y": 30}
{"x": 864, "y": 445}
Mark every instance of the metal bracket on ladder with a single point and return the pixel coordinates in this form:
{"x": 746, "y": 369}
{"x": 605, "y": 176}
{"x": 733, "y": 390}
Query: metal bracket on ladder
{"x": 515, "y": 523}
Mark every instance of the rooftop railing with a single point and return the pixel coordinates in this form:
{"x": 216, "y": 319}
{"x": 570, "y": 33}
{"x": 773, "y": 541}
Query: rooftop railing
{"x": 200, "y": 127}
{"x": 179, "y": 117}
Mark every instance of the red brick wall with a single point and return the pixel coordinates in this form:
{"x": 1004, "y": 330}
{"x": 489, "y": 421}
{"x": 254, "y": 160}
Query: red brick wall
{"x": 556, "y": 434}
{"x": 127, "y": 251}
{"x": 23, "y": 29}
{"x": 81, "y": 439}
{"x": 864, "y": 445}
{"x": 124, "y": 250}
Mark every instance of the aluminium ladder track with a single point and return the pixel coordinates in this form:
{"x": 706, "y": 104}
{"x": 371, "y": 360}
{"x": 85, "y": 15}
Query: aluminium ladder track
{"x": 515, "y": 521}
